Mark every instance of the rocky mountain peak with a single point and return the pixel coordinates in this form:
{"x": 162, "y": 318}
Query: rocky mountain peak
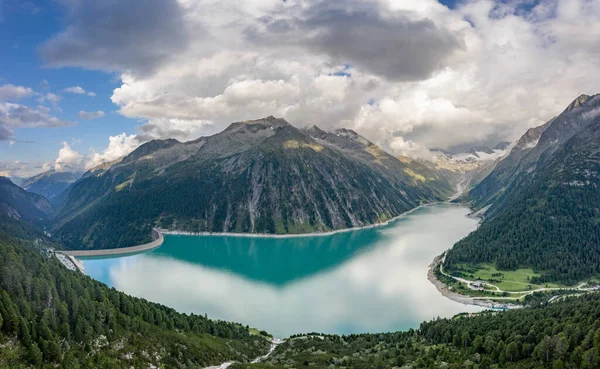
{"x": 580, "y": 100}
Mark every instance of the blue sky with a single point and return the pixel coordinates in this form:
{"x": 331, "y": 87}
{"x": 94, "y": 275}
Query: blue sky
{"x": 24, "y": 27}
{"x": 438, "y": 74}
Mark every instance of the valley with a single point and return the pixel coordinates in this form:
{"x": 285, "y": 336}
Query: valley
{"x": 349, "y": 255}
{"x": 300, "y": 184}
{"x": 264, "y": 281}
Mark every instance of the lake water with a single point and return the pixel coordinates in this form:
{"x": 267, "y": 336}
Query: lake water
{"x": 369, "y": 280}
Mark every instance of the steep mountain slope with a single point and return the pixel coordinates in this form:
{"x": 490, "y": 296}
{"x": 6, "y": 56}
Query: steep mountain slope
{"x": 548, "y": 216}
{"x": 17, "y": 203}
{"x": 50, "y": 184}
{"x": 536, "y": 144}
{"x": 352, "y": 144}
{"x": 261, "y": 176}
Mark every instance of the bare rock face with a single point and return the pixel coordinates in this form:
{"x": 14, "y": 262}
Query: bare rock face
{"x": 258, "y": 176}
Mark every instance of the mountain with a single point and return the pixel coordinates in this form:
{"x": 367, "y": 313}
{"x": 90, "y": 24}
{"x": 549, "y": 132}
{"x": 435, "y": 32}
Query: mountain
{"x": 16, "y": 180}
{"x": 17, "y": 203}
{"x": 259, "y": 176}
{"x": 50, "y": 184}
{"x": 466, "y": 169}
{"x": 543, "y": 201}
{"x": 531, "y": 149}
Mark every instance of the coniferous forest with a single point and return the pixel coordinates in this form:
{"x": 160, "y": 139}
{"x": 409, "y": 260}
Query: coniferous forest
{"x": 52, "y": 316}
{"x": 549, "y": 221}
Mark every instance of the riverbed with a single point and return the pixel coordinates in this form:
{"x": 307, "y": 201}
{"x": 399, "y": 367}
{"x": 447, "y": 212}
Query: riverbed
{"x": 366, "y": 280}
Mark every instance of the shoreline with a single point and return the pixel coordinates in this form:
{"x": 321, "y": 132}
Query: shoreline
{"x": 460, "y": 298}
{"x": 158, "y": 240}
{"x": 294, "y": 235}
{"x": 158, "y": 235}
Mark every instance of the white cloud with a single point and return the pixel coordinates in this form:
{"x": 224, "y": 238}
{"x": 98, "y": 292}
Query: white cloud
{"x": 68, "y": 160}
{"x": 409, "y": 148}
{"x": 90, "y": 114}
{"x": 53, "y": 98}
{"x": 78, "y": 90}
{"x": 12, "y": 92}
{"x": 14, "y": 116}
{"x": 483, "y": 72}
{"x": 118, "y": 146}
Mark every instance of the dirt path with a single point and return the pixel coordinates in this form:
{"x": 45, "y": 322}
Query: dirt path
{"x": 274, "y": 343}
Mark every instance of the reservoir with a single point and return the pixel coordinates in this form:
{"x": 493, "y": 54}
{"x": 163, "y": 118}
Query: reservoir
{"x": 367, "y": 280}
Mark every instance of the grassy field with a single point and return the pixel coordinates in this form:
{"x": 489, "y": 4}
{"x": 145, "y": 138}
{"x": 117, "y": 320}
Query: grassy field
{"x": 462, "y": 288}
{"x": 506, "y": 280}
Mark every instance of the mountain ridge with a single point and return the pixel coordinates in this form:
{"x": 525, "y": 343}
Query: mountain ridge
{"x": 237, "y": 180}
{"x": 546, "y": 214}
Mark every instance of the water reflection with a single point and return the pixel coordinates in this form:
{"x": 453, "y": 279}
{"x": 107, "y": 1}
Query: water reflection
{"x": 364, "y": 281}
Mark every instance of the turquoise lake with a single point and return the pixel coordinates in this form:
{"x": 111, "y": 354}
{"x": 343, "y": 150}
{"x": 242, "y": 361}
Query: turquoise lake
{"x": 368, "y": 280}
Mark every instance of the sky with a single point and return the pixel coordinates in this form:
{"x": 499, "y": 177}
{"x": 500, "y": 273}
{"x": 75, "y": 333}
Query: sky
{"x": 83, "y": 82}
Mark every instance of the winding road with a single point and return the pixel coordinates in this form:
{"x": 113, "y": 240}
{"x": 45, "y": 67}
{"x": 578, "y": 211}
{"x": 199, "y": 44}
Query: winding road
{"x": 521, "y": 294}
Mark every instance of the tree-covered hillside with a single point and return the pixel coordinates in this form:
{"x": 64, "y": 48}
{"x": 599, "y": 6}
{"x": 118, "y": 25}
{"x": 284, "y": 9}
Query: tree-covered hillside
{"x": 549, "y": 221}
{"x": 557, "y": 335}
{"x": 50, "y": 316}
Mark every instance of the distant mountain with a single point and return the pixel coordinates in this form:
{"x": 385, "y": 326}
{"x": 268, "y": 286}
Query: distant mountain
{"x": 543, "y": 201}
{"x": 50, "y": 184}
{"x": 19, "y": 204}
{"x": 16, "y": 180}
{"x": 467, "y": 169}
{"x": 260, "y": 176}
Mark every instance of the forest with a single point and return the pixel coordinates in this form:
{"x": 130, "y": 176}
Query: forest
{"x": 565, "y": 334}
{"x": 550, "y": 222}
{"x": 52, "y": 316}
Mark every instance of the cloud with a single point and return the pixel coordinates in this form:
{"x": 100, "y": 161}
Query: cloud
{"x": 17, "y": 168}
{"x": 53, "y": 98}
{"x": 90, "y": 114}
{"x": 134, "y": 35}
{"x": 68, "y": 160}
{"x": 118, "y": 146}
{"x": 12, "y": 92}
{"x": 398, "y": 46}
{"x": 409, "y": 148}
{"x": 14, "y": 116}
{"x": 414, "y": 71}
{"x": 78, "y": 90}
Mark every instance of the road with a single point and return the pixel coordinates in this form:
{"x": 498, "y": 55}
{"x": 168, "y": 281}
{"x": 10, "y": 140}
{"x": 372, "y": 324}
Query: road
{"x": 498, "y": 290}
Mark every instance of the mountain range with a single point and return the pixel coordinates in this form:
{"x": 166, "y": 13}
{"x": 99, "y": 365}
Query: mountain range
{"x": 50, "y": 184}
{"x": 541, "y": 209}
{"x": 16, "y": 203}
{"x": 259, "y": 176}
